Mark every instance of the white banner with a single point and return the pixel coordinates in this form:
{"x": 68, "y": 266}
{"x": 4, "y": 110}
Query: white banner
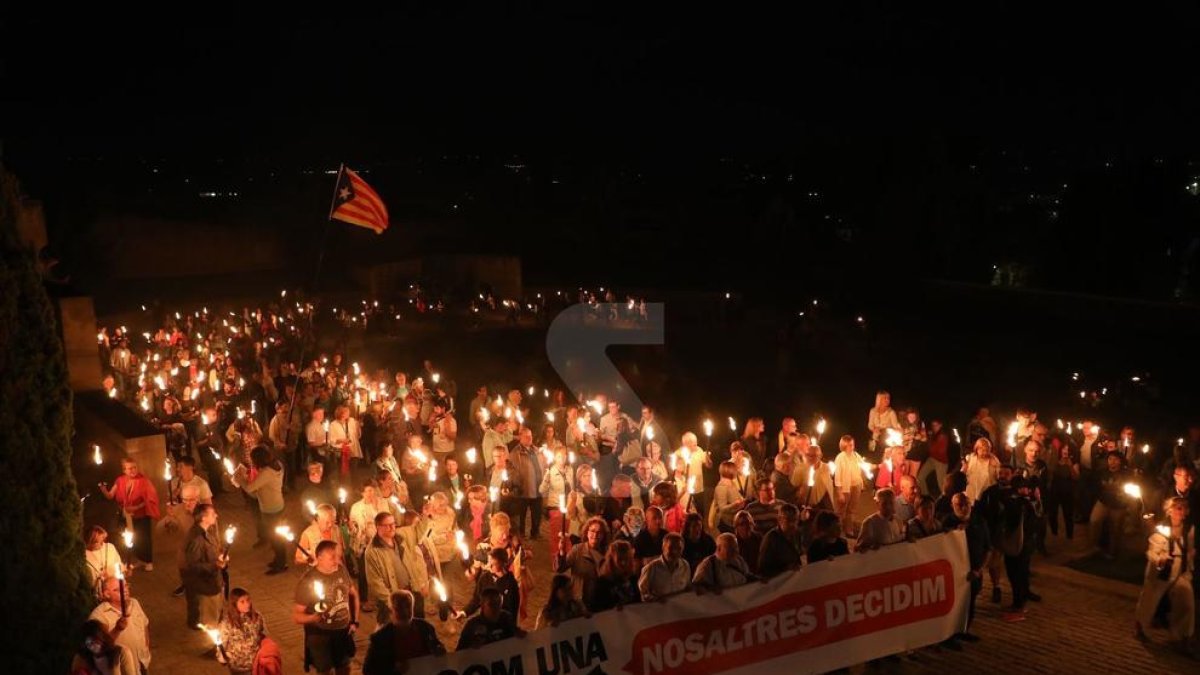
{"x": 825, "y": 616}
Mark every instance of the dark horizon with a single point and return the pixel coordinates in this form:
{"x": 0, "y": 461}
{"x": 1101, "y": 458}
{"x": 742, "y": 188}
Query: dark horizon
{"x": 935, "y": 138}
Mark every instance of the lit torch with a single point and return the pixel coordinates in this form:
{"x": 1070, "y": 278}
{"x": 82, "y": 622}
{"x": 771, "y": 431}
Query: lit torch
{"x": 461, "y": 544}
{"x": 215, "y": 635}
{"x": 1133, "y": 490}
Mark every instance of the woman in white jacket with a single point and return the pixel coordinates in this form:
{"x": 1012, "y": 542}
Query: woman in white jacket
{"x": 1170, "y": 562}
{"x": 557, "y": 481}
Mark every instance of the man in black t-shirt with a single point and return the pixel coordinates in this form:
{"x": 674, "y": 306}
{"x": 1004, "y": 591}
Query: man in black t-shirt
{"x": 326, "y": 604}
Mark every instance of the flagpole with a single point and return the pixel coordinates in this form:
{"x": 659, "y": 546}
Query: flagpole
{"x": 312, "y": 293}
{"x": 333, "y": 199}
{"x": 324, "y": 237}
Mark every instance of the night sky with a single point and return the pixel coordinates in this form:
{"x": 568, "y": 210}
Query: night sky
{"x": 863, "y": 105}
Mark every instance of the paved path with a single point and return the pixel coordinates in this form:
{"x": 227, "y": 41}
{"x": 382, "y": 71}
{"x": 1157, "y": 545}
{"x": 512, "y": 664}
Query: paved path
{"x": 1083, "y": 624}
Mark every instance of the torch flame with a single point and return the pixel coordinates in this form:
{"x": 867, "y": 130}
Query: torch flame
{"x": 812, "y": 476}
{"x": 229, "y": 533}
{"x": 319, "y": 589}
{"x": 471, "y": 455}
{"x": 342, "y": 495}
{"x": 894, "y": 439}
{"x": 96, "y": 456}
{"x": 439, "y": 588}
{"x": 229, "y": 468}
{"x": 1133, "y": 490}
{"x": 708, "y": 427}
{"x": 213, "y": 634}
{"x": 127, "y": 536}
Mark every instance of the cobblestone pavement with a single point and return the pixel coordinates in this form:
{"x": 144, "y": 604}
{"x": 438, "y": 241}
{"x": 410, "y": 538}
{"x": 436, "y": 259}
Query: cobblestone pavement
{"x": 1084, "y": 623}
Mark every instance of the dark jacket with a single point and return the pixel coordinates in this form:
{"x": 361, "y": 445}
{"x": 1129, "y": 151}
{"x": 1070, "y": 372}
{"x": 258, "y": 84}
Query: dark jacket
{"x": 779, "y": 553}
{"x": 821, "y": 550}
{"x": 383, "y": 657}
{"x": 200, "y": 574}
{"x": 978, "y": 538}
{"x": 510, "y": 594}
{"x": 611, "y": 591}
{"x": 695, "y": 551}
{"x": 479, "y": 631}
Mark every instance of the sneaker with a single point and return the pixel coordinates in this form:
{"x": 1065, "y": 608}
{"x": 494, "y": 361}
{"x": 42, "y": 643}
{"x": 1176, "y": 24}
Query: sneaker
{"x": 178, "y": 592}
{"x": 996, "y": 594}
{"x": 1033, "y": 596}
{"x": 149, "y": 567}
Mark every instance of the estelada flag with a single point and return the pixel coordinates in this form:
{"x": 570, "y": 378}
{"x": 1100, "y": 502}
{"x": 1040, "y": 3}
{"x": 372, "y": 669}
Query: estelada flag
{"x": 357, "y": 203}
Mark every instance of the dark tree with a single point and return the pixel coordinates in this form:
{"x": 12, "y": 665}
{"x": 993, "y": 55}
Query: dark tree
{"x": 45, "y": 578}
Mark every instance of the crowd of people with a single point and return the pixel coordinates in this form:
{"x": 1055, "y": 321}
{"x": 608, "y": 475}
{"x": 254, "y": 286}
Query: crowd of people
{"x": 411, "y": 491}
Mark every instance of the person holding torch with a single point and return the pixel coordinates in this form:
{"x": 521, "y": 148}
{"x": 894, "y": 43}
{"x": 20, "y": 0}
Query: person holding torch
{"x": 387, "y": 571}
{"x": 135, "y": 494}
{"x": 122, "y": 616}
{"x": 326, "y": 604}
{"x": 267, "y": 488}
{"x": 201, "y": 571}
{"x": 848, "y": 479}
{"x": 1170, "y": 566}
